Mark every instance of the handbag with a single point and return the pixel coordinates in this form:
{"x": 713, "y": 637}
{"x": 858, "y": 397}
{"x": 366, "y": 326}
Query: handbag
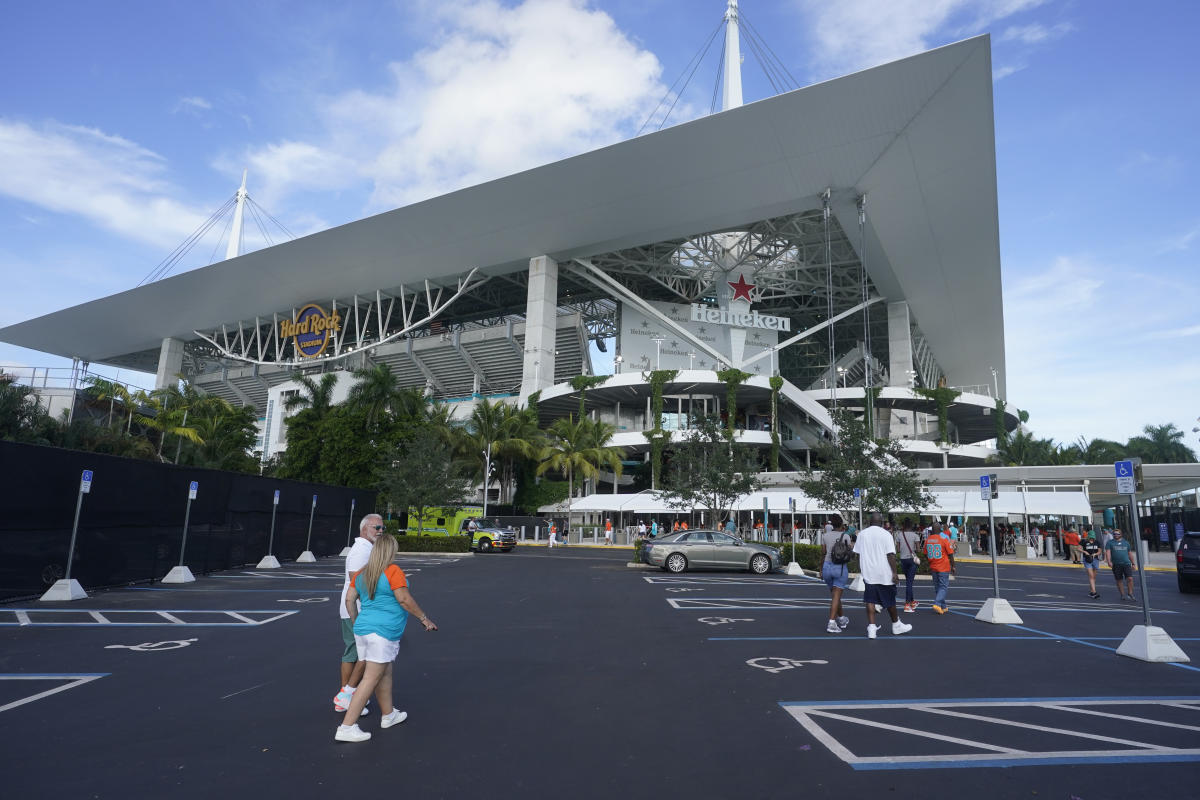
{"x": 911, "y": 554}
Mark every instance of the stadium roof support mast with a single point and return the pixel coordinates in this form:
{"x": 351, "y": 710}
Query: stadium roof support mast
{"x": 234, "y": 248}
{"x": 731, "y": 93}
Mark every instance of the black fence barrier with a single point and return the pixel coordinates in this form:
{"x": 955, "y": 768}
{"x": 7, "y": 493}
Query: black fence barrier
{"x": 131, "y": 524}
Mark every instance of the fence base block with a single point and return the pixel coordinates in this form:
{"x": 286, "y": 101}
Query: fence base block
{"x": 1149, "y": 643}
{"x": 794, "y": 569}
{"x": 306, "y": 557}
{"x": 179, "y": 575}
{"x": 64, "y": 589}
{"x": 999, "y": 611}
{"x": 268, "y": 562}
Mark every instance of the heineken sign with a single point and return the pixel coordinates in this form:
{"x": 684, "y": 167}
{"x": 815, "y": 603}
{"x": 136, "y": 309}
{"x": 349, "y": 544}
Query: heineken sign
{"x": 749, "y": 319}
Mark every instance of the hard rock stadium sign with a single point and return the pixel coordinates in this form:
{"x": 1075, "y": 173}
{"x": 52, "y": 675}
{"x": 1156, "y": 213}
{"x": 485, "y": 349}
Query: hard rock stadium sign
{"x": 311, "y": 329}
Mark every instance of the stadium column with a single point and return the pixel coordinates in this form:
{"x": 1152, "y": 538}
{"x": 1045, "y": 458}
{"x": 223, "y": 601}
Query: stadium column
{"x": 541, "y": 325}
{"x": 170, "y": 363}
{"x": 900, "y": 361}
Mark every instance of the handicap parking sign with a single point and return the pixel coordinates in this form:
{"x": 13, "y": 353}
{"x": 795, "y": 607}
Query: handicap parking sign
{"x": 193, "y": 487}
{"x": 1126, "y": 482}
{"x": 85, "y": 482}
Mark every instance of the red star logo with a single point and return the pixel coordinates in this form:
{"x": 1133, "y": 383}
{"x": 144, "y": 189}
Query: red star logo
{"x": 741, "y": 288}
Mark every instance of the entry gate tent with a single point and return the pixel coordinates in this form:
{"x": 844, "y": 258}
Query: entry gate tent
{"x": 946, "y": 502}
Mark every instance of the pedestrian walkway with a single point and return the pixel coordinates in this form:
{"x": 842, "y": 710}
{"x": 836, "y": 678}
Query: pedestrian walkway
{"x": 1162, "y": 561}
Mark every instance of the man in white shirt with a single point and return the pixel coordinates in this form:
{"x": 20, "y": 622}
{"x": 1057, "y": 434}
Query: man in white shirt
{"x": 369, "y": 529}
{"x": 876, "y": 551}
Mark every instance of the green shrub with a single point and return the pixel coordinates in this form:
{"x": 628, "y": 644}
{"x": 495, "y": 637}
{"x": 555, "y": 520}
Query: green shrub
{"x": 392, "y": 526}
{"x": 808, "y": 556}
{"x": 639, "y": 550}
{"x": 433, "y": 544}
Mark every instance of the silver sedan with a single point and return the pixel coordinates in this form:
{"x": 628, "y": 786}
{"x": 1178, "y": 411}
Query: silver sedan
{"x": 678, "y": 552}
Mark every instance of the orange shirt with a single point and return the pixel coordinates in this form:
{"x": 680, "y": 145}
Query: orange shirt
{"x": 683, "y": 526}
{"x": 608, "y": 524}
{"x": 1071, "y": 537}
{"x": 395, "y": 576}
{"x": 938, "y": 548}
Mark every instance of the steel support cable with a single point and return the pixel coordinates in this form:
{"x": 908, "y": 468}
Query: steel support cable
{"x": 187, "y": 244}
{"x": 712, "y": 108}
{"x": 743, "y": 19}
{"x": 862, "y": 257}
{"x": 212, "y": 258}
{"x": 262, "y": 228}
{"x": 696, "y": 59}
{"x": 762, "y": 62}
{"x": 266, "y": 213}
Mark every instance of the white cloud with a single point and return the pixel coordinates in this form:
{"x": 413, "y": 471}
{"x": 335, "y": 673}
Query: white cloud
{"x": 1177, "y": 244}
{"x": 192, "y": 104}
{"x": 856, "y": 35}
{"x": 1035, "y": 33}
{"x": 500, "y": 90}
{"x": 1173, "y": 333}
{"x": 1004, "y": 72}
{"x": 112, "y": 182}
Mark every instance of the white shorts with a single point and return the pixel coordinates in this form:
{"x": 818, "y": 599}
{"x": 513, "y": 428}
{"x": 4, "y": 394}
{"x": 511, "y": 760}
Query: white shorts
{"x": 374, "y": 647}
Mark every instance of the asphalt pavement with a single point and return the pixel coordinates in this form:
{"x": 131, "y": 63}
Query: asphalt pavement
{"x": 567, "y": 673}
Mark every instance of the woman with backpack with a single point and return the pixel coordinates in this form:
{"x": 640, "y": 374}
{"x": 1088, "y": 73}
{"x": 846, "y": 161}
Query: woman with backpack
{"x": 836, "y": 551}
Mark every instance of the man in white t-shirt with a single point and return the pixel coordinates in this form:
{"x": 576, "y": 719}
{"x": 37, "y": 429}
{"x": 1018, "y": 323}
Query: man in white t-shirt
{"x": 369, "y": 529}
{"x": 876, "y": 551}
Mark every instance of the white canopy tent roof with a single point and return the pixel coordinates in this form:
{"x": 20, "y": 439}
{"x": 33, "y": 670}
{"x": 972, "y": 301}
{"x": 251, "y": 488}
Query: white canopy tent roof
{"x": 946, "y": 502}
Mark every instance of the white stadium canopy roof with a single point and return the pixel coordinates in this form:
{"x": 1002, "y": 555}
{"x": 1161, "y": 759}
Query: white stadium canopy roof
{"x": 916, "y": 136}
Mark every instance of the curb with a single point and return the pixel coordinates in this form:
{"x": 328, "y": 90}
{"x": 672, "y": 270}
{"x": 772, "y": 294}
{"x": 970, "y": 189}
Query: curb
{"x": 639, "y": 565}
{"x": 434, "y": 553}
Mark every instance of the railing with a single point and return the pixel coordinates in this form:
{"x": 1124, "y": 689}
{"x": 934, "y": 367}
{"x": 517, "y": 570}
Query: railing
{"x": 65, "y": 378}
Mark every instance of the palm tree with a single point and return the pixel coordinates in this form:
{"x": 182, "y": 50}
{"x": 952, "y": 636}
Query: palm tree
{"x": 103, "y": 389}
{"x": 166, "y": 418}
{"x": 1099, "y": 451}
{"x": 316, "y": 395}
{"x": 1161, "y": 444}
{"x": 522, "y": 440}
{"x": 376, "y": 393}
{"x": 580, "y": 447}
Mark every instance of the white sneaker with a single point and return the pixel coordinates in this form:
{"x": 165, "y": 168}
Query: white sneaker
{"x": 843, "y": 622}
{"x": 351, "y": 733}
{"x": 900, "y": 627}
{"x": 833, "y": 627}
{"x": 872, "y": 630}
{"x": 394, "y": 718}
{"x": 878, "y": 608}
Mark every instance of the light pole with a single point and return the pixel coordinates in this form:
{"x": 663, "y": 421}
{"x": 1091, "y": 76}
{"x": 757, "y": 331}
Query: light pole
{"x": 658, "y": 340}
{"x": 617, "y": 364}
{"x": 842, "y": 374}
{"x": 691, "y": 359}
{"x": 995, "y": 384}
{"x": 487, "y": 473}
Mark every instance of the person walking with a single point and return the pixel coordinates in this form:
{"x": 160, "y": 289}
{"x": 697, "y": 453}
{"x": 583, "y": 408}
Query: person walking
{"x": 608, "y": 538}
{"x": 653, "y": 528}
{"x": 382, "y": 589}
{"x": 908, "y": 542}
{"x": 1120, "y": 558}
{"x": 369, "y": 529}
{"x": 642, "y": 528}
{"x": 940, "y": 550}
{"x": 836, "y": 574}
{"x": 553, "y": 540}
{"x": 1091, "y": 560}
{"x": 1072, "y": 540}
{"x": 877, "y": 564}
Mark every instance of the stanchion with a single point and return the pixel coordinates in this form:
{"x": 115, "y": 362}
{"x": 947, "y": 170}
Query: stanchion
{"x": 307, "y": 556}
{"x": 793, "y": 568}
{"x": 66, "y": 587}
{"x": 995, "y": 609}
{"x": 349, "y": 529}
{"x": 1145, "y": 642}
{"x": 269, "y": 561}
{"x": 180, "y": 573}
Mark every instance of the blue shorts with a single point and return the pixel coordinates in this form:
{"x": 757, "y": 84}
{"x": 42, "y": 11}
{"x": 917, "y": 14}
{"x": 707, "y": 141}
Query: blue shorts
{"x": 836, "y": 576}
{"x": 881, "y": 594}
{"x": 1091, "y": 563}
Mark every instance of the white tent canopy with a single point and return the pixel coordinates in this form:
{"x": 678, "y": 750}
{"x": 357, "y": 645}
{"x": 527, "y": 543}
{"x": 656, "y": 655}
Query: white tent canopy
{"x": 946, "y": 502}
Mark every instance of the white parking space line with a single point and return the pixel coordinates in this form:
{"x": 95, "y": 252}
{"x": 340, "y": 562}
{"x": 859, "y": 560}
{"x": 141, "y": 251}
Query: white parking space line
{"x": 750, "y": 603}
{"x": 117, "y": 618}
{"x": 274, "y": 574}
{"x": 70, "y": 682}
{"x": 747, "y": 581}
{"x": 1185, "y": 749}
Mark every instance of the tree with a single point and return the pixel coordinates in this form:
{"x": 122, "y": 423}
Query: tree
{"x": 423, "y": 475}
{"x": 1161, "y": 444}
{"x": 316, "y": 396}
{"x": 226, "y": 434}
{"x": 165, "y": 410}
{"x": 579, "y": 447}
{"x": 707, "y": 470}
{"x": 1099, "y": 451}
{"x": 857, "y": 461}
{"x": 377, "y": 393}
{"x": 21, "y": 417}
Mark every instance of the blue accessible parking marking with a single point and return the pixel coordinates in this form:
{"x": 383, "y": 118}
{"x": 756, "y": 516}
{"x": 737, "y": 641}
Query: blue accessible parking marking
{"x": 71, "y": 617}
{"x": 1140, "y": 730}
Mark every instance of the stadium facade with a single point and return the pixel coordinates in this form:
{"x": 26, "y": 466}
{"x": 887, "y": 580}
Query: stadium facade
{"x": 843, "y": 237}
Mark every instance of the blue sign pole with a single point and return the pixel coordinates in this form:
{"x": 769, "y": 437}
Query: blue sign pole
{"x": 187, "y": 515}
{"x": 85, "y": 486}
{"x": 271, "y": 539}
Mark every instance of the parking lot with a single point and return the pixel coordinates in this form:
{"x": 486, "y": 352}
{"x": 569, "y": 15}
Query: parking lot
{"x": 566, "y": 672}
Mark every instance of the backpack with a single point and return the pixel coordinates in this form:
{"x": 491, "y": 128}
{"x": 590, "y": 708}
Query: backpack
{"x": 842, "y": 551}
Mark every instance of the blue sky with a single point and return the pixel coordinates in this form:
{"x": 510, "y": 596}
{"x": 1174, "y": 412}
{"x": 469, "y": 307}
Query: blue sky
{"x": 122, "y": 126}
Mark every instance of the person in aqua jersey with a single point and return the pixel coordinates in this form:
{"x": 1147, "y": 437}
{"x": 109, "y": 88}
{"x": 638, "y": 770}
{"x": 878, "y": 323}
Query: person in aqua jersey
{"x": 1121, "y": 559}
{"x": 653, "y": 528}
{"x": 382, "y": 588}
{"x": 1090, "y": 548}
{"x": 730, "y": 528}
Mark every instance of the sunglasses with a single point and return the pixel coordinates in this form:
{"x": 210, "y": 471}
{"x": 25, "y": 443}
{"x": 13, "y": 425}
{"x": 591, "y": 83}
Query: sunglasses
{"x": 378, "y": 527}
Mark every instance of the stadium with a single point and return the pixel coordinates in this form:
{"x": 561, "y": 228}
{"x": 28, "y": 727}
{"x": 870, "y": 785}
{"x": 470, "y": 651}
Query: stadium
{"x": 832, "y": 246}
